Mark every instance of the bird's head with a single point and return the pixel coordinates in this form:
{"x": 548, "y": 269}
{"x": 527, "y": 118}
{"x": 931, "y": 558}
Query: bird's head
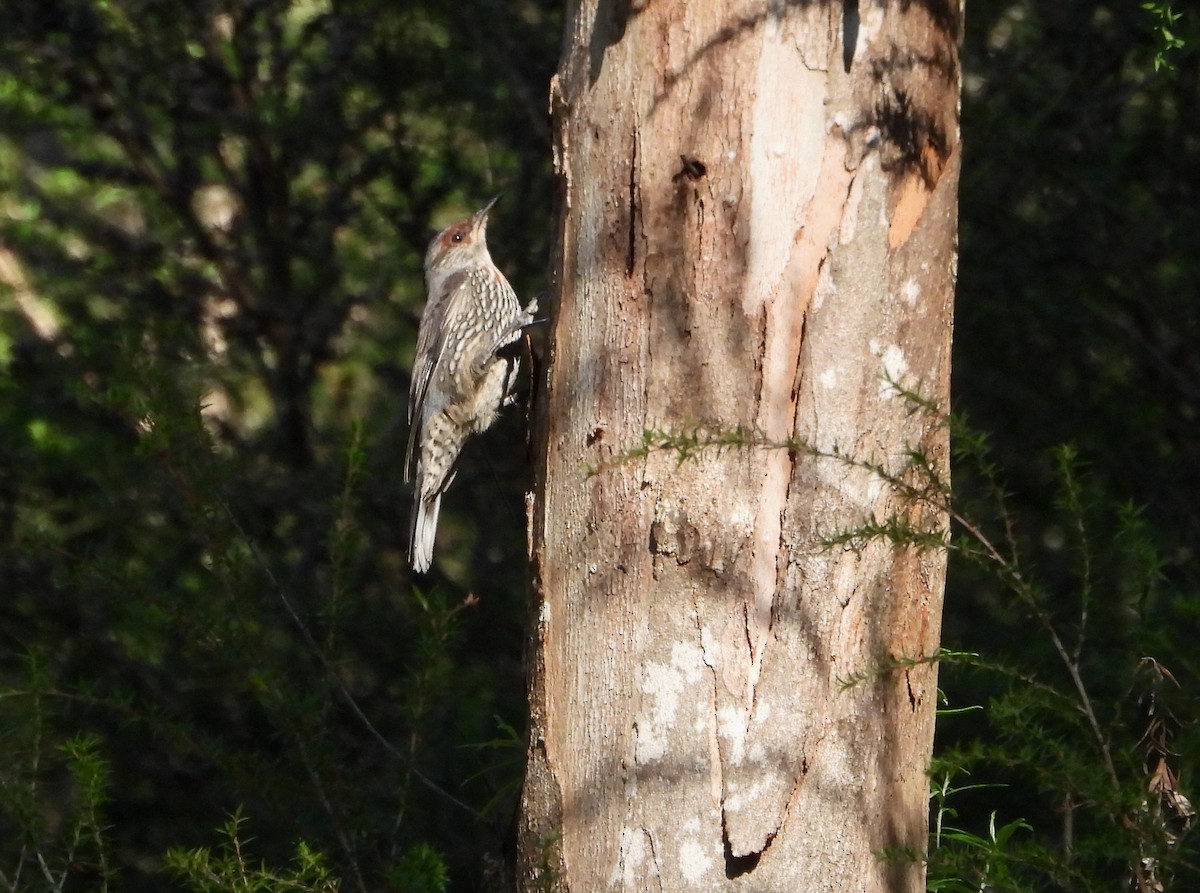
{"x": 460, "y": 245}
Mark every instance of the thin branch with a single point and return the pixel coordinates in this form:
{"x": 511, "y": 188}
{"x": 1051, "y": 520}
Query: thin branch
{"x": 1074, "y": 507}
{"x": 334, "y": 819}
{"x": 699, "y": 439}
{"x": 327, "y": 664}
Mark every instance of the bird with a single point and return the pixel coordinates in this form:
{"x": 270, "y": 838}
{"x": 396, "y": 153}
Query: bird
{"x": 461, "y": 377}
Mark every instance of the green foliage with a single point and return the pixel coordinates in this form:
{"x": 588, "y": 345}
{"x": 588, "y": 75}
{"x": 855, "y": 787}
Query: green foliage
{"x": 1077, "y": 296}
{"x": 228, "y": 868}
{"x": 1078, "y": 282}
{"x": 1166, "y": 25}
{"x": 508, "y": 757}
{"x": 50, "y": 849}
{"x": 212, "y": 223}
{"x": 420, "y": 870}
{"x": 1099, "y": 733}
{"x": 986, "y": 859}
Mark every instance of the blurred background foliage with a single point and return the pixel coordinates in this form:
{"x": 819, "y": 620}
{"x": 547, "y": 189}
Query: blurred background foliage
{"x": 1078, "y": 324}
{"x": 212, "y": 219}
{"x": 212, "y": 222}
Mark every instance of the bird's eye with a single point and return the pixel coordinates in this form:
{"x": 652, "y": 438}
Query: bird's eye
{"x": 457, "y": 237}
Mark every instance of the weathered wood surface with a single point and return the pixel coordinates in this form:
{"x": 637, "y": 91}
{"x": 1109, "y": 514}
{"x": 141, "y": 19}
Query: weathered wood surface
{"x": 758, "y": 231}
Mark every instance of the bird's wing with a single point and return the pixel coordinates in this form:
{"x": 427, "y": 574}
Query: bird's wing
{"x": 431, "y": 343}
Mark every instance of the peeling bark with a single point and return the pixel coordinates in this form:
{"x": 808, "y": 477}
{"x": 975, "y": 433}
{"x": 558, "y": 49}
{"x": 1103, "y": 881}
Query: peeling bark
{"x": 758, "y": 230}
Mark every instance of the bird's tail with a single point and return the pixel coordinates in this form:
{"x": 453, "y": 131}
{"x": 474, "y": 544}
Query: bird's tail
{"x": 422, "y": 531}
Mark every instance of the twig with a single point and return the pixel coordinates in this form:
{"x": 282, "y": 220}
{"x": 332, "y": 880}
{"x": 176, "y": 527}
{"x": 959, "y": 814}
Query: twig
{"x": 336, "y": 679}
{"x": 934, "y": 494}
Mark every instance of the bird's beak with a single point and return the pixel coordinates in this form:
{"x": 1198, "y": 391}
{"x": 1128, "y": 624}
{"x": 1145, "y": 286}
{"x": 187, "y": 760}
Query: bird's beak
{"x": 481, "y": 215}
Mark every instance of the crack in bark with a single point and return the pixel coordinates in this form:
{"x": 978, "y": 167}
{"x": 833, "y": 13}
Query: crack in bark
{"x": 749, "y": 637}
{"x": 792, "y": 458}
{"x": 716, "y": 773}
{"x": 760, "y": 359}
{"x": 654, "y": 860}
{"x": 630, "y": 253}
{"x": 850, "y": 23}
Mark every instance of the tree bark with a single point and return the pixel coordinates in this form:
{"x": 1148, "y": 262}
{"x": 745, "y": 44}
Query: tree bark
{"x": 757, "y": 232}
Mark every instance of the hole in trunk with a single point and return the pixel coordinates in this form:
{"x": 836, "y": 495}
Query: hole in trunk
{"x": 736, "y": 866}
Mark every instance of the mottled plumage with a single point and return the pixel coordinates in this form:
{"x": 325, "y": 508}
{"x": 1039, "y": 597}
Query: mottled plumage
{"x": 459, "y": 382}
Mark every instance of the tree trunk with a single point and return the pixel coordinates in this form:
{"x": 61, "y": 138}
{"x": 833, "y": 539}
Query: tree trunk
{"x": 758, "y": 233}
